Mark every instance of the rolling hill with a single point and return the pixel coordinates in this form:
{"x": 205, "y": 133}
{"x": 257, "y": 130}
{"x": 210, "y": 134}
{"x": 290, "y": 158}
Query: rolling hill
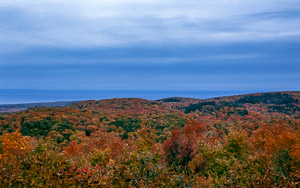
{"x": 233, "y": 141}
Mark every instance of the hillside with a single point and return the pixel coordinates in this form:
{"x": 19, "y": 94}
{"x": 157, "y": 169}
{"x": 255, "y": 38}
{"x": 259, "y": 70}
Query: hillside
{"x": 20, "y": 107}
{"x": 235, "y": 141}
{"x": 123, "y": 105}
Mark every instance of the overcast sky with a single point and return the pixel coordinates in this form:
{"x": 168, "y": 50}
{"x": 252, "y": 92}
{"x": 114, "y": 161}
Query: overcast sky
{"x": 150, "y": 44}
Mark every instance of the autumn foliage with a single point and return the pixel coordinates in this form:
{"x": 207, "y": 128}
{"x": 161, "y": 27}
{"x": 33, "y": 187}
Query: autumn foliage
{"x": 239, "y": 141}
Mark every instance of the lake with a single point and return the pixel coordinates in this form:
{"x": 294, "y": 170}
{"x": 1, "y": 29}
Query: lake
{"x": 16, "y": 96}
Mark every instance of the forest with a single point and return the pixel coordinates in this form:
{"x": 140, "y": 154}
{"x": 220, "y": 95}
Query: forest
{"x": 235, "y": 141}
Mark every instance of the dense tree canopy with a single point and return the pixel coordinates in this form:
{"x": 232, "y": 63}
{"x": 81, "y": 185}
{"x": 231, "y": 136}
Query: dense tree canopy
{"x": 238, "y": 141}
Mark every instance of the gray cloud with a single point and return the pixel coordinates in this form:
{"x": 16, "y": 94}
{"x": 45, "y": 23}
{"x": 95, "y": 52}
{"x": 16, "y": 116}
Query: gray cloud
{"x": 125, "y": 23}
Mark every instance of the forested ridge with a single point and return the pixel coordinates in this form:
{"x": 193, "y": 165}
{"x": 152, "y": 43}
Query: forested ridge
{"x": 236, "y": 141}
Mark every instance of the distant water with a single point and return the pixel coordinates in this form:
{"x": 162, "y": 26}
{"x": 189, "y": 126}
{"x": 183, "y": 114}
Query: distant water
{"x": 16, "y": 96}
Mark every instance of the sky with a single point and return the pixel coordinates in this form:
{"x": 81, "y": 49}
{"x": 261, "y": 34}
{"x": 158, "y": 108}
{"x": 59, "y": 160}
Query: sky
{"x": 251, "y": 45}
